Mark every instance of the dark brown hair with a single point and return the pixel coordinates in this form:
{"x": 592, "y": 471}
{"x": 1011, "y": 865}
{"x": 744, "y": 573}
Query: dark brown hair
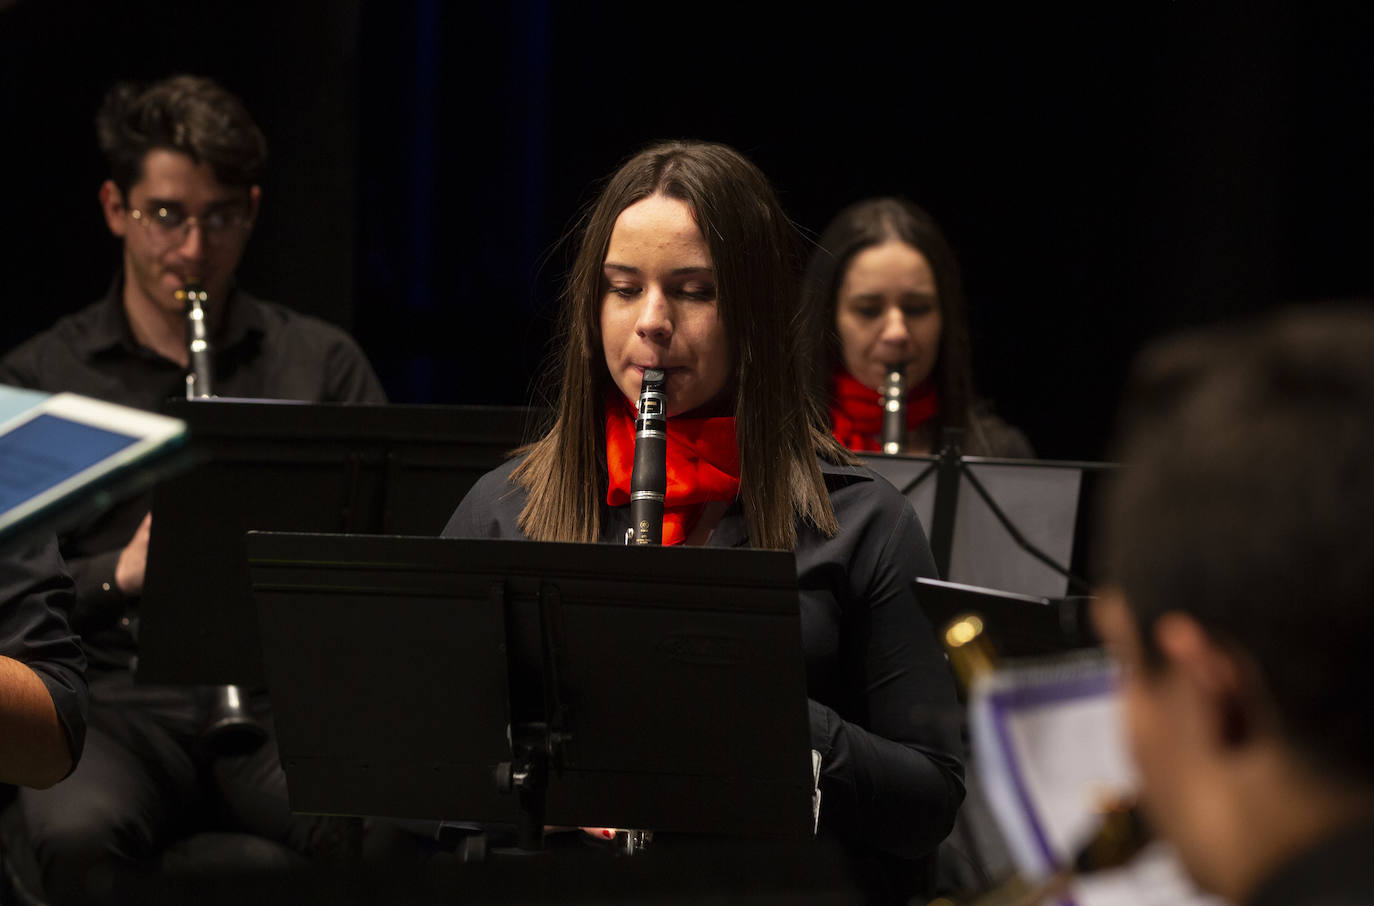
{"x": 873, "y": 222}
{"x": 189, "y": 114}
{"x": 1246, "y": 503}
{"x": 781, "y": 428}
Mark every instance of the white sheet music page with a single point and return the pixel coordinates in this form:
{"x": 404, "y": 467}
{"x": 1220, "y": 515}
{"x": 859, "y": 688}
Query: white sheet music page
{"x": 1047, "y": 740}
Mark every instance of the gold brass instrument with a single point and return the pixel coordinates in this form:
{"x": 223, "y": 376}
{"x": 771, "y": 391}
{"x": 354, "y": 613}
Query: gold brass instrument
{"x": 1122, "y": 833}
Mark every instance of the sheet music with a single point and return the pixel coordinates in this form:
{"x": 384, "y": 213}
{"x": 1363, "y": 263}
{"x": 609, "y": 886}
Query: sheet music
{"x": 1047, "y": 739}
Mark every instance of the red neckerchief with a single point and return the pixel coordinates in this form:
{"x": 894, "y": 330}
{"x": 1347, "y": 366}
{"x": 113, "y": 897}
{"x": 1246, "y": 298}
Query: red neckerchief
{"x": 856, "y": 411}
{"x": 703, "y": 464}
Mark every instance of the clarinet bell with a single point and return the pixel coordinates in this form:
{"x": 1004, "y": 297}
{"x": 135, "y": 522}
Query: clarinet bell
{"x": 227, "y": 728}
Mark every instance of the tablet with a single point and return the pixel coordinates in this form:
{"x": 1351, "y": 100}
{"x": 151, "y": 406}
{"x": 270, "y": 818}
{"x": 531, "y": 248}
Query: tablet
{"x": 66, "y": 452}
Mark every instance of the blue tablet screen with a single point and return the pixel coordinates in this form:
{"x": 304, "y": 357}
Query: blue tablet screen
{"x": 46, "y": 451}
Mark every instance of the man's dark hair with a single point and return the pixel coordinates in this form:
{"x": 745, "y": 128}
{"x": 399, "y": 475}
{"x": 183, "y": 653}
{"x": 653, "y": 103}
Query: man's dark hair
{"x": 189, "y": 114}
{"x": 1248, "y": 503}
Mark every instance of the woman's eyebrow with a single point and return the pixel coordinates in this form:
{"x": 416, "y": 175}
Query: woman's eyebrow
{"x": 675, "y": 272}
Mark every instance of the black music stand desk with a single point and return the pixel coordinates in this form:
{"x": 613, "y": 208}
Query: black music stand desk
{"x": 302, "y": 467}
{"x": 652, "y": 688}
{"x": 1017, "y": 625}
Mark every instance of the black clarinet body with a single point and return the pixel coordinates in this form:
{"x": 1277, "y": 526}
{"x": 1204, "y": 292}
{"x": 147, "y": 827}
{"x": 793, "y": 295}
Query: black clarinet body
{"x": 649, "y": 477}
{"x": 648, "y": 487}
{"x": 894, "y": 409}
{"x": 226, "y": 726}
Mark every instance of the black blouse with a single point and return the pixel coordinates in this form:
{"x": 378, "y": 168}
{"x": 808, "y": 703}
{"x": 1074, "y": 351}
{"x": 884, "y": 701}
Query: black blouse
{"x": 881, "y": 693}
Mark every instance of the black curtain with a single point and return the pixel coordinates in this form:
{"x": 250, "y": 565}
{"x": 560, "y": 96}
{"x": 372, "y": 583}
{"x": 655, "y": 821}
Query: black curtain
{"x": 1104, "y": 175}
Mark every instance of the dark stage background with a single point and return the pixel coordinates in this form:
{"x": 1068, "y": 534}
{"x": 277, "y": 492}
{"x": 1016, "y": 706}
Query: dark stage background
{"x": 1104, "y": 176}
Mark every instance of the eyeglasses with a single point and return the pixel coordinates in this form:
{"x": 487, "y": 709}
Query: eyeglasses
{"x": 170, "y": 224}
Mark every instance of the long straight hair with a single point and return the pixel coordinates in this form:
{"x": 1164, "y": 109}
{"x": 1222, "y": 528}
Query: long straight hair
{"x": 866, "y": 224}
{"x": 780, "y": 424}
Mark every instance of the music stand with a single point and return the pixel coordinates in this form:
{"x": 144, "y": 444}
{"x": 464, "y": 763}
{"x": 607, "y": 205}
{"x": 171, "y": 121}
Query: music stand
{"x": 293, "y": 467}
{"x": 537, "y": 683}
{"x": 1015, "y": 524}
{"x": 1018, "y": 625}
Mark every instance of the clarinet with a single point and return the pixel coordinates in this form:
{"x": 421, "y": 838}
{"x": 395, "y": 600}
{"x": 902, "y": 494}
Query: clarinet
{"x": 226, "y": 728}
{"x": 199, "y": 384}
{"x": 649, "y": 477}
{"x": 648, "y": 485}
{"x": 894, "y": 409}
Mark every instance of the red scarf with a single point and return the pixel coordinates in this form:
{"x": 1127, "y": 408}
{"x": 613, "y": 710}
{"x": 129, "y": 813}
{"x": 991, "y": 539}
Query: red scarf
{"x": 703, "y": 464}
{"x": 856, "y": 411}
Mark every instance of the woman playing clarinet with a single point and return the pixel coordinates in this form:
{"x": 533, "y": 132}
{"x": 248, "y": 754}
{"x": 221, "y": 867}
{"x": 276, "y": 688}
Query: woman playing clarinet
{"x": 686, "y": 267}
{"x": 886, "y": 302}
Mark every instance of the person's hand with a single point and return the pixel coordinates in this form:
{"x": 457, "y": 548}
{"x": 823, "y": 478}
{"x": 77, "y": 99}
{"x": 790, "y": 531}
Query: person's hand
{"x": 133, "y": 560}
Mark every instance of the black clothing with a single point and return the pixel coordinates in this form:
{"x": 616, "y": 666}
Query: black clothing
{"x": 143, "y": 782}
{"x": 261, "y": 350}
{"x": 988, "y": 435}
{"x": 35, "y": 596}
{"x": 1338, "y": 871}
{"x": 890, "y": 782}
{"x": 985, "y": 434}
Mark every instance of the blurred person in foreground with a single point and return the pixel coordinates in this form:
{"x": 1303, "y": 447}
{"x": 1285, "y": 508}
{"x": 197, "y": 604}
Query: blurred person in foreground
{"x": 1240, "y": 603}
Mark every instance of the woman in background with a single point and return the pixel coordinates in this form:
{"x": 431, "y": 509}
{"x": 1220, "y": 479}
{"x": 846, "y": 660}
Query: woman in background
{"x": 686, "y": 264}
{"x": 883, "y": 289}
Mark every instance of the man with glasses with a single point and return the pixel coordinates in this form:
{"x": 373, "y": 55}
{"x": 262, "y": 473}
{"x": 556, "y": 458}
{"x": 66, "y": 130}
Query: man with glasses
{"x": 185, "y": 161}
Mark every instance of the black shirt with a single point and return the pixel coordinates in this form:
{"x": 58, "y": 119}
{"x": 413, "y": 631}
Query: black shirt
{"x": 1338, "y": 871}
{"x": 891, "y": 781}
{"x": 261, "y": 350}
{"x": 35, "y": 595}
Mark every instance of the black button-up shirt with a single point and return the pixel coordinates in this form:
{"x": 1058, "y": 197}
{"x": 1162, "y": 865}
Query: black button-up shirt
{"x": 261, "y": 350}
